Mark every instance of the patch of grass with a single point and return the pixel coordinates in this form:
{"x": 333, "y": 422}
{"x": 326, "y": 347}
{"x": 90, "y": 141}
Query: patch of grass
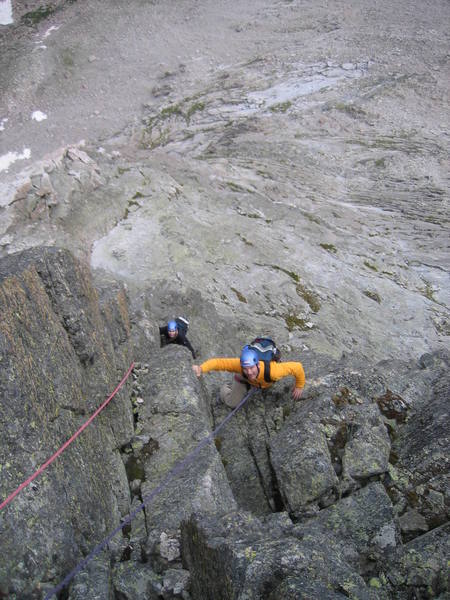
{"x": 375, "y": 583}
{"x": 67, "y": 57}
{"x": 370, "y": 266}
{"x": 239, "y": 296}
{"x": 282, "y": 107}
{"x": 350, "y": 109}
{"x": 122, "y": 170}
{"x": 264, "y": 174}
{"x": 372, "y": 296}
{"x": 293, "y": 322}
{"x": 234, "y": 187}
{"x": 312, "y": 218}
{"x": 428, "y": 292}
{"x": 309, "y": 297}
{"x": 127, "y": 209}
{"x": 154, "y": 133}
{"x": 387, "y": 142}
{"x": 218, "y": 442}
{"x": 246, "y": 242}
{"x": 169, "y": 111}
{"x": 291, "y": 274}
{"x": 286, "y": 411}
{"x": 300, "y": 135}
{"x": 433, "y": 220}
{"x": 329, "y": 248}
{"x": 196, "y": 107}
{"x": 150, "y": 140}
{"x": 358, "y": 142}
{"x": 380, "y": 163}
{"x": 138, "y": 195}
{"x": 36, "y": 16}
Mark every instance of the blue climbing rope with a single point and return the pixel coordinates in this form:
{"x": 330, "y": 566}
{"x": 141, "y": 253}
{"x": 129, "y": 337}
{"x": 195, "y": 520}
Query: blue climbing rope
{"x": 174, "y": 471}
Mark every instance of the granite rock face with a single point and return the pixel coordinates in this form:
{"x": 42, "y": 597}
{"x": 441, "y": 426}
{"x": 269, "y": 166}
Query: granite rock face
{"x": 260, "y": 168}
{"x": 63, "y": 350}
{"x": 341, "y": 494}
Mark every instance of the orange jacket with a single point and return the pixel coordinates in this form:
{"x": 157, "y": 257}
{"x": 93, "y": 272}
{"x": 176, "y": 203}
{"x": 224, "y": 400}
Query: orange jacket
{"x": 278, "y": 370}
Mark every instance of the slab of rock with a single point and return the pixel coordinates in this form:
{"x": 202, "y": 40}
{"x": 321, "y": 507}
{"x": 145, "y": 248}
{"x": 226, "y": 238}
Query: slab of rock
{"x": 302, "y": 463}
{"x": 368, "y": 445}
{"x": 176, "y": 478}
{"x": 420, "y": 567}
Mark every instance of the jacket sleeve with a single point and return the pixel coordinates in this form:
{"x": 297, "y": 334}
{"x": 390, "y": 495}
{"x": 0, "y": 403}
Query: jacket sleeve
{"x": 182, "y": 340}
{"x": 163, "y": 330}
{"x": 188, "y": 344}
{"x": 283, "y": 369}
{"x": 221, "y": 364}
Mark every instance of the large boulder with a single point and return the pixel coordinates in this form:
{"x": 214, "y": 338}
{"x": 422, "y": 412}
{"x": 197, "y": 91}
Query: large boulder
{"x": 366, "y": 452}
{"x": 241, "y": 558}
{"x": 302, "y": 462}
{"x": 361, "y": 528}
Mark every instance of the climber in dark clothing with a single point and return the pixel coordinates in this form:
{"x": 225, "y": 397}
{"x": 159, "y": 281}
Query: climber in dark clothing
{"x": 173, "y": 333}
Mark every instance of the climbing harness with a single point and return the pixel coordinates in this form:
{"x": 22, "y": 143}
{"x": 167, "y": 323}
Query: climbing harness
{"x": 175, "y": 470}
{"x": 69, "y": 441}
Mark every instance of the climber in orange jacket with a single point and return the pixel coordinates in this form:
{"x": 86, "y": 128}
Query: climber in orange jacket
{"x": 250, "y": 371}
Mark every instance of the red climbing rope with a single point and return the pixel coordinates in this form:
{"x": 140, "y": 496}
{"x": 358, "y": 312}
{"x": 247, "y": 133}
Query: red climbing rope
{"x": 69, "y": 441}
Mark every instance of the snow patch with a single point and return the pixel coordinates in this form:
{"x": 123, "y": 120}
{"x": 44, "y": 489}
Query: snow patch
{"x": 5, "y": 12}
{"x": 10, "y": 157}
{"x": 38, "y": 116}
{"x": 49, "y": 30}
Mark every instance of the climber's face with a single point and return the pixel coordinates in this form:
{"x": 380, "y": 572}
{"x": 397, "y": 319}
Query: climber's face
{"x": 251, "y": 372}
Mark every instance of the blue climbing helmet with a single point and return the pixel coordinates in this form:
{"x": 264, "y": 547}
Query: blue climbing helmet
{"x": 172, "y": 326}
{"x": 249, "y": 358}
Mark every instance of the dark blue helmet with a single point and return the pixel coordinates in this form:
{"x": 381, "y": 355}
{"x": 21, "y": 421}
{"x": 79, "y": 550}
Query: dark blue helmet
{"x": 249, "y": 358}
{"x": 172, "y": 326}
